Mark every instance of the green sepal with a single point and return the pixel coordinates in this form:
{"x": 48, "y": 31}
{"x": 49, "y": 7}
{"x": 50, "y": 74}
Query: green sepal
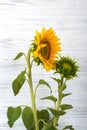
{"x": 68, "y": 127}
{"x": 43, "y": 82}
{"x": 18, "y": 55}
{"x": 13, "y": 114}
{"x": 65, "y": 107}
{"x": 18, "y": 82}
{"x": 52, "y": 98}
{"x": 37, "y": 61}
{"x": 28, "y": 119}
{"x": 56, "y": 113}
{"x": 33, "y": 47}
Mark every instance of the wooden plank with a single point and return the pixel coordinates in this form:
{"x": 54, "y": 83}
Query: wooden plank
{"x": 18, "y": 22}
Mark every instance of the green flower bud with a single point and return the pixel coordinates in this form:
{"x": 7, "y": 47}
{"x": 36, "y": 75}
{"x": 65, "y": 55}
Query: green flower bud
{"x": 67, "y": 67}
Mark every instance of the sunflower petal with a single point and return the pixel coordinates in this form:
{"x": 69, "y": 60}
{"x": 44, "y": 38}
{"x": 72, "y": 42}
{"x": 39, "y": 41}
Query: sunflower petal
{"x": 48, "y": 47}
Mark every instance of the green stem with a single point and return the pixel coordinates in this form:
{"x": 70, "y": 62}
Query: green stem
{"x": 59, "y": 100}
{"x": 32, "y": 91}
{"x": 59, "y": 94}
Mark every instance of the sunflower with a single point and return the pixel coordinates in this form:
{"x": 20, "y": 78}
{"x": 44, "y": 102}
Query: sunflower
{"x": 47, "y": 46}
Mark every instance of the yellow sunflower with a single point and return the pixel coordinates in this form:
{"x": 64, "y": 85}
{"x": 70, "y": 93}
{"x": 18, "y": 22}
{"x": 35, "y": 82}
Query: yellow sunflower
{"x": 48, "y": 46}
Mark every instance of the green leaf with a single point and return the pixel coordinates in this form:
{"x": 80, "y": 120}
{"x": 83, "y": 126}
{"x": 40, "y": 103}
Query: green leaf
{"x": 52, "y": 98}
{"x": 57, "y": 80}
{"x": 65, "y": 107}
{"x": 56, "y": 113}
{"x": 18, "y": 82}
{"x": 48, "y": 127}
{"x": 43, "y": 82}
{"x": 66, "y": 94}
{"x": 13, "y": 114}
{"x": 68, "y": 127}
{"x": 28, "y": 119}
{"x": 44, "y": 115}
{"x": 19, "y": 55}
{"x": 63, "y": 86}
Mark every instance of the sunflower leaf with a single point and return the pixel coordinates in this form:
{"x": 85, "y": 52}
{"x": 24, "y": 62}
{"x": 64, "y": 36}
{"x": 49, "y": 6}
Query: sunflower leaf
{"x": 43, "y": 115}
{"x": 65, "y": 107}
{"x": 48, "y": 127}
{"x": 28, "y": 119}
{"x": 18, "y": 82}
{"x": 63, "y": 86}
{"x": 13, "y": 114}
{"x": 57, "y": 80}
{"x": 56, "y": 113}
{"x": 52, "y": 98}
{"x": 43, "y": 82}
{"x": 68, "y": 127}
{"x": 66, "y": 94}
{"x": 19, "y": 55}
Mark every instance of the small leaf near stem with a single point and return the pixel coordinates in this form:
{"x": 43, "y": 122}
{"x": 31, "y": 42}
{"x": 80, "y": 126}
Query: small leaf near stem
{"x": 56, "y": 112}
{"x": 66, "y": 106}
{"x": 18, "y": 82}
{"x": 68, "y": 127}
{"x": 42, "y": 82}
{"x": 47, "y": 126}
{"x": 42, "y": 115}
{"x": 52, "y": 98}
{"x": 65, "y": 94}
{"x": 19, "y": 55}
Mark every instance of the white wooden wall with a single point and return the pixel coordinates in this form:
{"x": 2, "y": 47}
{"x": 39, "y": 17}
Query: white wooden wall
{"x": 18, "y": 21}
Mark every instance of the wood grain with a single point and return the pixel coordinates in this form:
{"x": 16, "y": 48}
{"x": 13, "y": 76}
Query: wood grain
{"x": 18, "y": 21}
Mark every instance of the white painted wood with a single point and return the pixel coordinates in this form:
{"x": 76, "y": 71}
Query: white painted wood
{"x": 18, "y": 21}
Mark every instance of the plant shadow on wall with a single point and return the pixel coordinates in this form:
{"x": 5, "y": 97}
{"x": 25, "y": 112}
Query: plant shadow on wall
{"x": 44, "y": 51}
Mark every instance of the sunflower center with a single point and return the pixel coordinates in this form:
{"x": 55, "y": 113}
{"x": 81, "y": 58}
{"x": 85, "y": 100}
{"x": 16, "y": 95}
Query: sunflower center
{"x": 67, "y": 66}
{"x": 45, "y": 51}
